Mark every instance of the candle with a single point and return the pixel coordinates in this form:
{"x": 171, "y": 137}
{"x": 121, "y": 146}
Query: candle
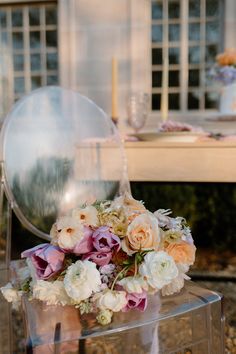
{"x": 165, "y": 71}
{"x": 114, "y": 110}
{"x": 165, "y": 80}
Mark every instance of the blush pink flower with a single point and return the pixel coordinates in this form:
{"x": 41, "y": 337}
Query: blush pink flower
{"x": 46, "y": 259}
{"x": 136, "y": 301}
{"x": 100, "y": 258}
{"x": 104, "y": 240}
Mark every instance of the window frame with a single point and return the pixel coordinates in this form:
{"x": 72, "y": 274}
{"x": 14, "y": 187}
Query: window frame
{"x": 199, "y": 116}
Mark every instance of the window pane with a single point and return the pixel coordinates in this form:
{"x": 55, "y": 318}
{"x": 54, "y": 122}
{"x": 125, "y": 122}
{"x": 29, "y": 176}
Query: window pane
{"x": 194, "y": 31}
{"x": 193, "y": 100}
{"x": 52, "y": 80}
{"x": 34, "y": 16}
{"x": 174, "y": 33}
{"x": 52, "y": 61}
{"x": 173, "y": 78}
{"x": 19, "y": 85}
{"x": 193, "y": 78}
{"x": 194, "y": 8}
{"x": 212, "y": 32}
{"x": 212, "y": 7}
{"x": 17, "y": 18}
{"x": 156, "y": 11}
{"x": 174, "y": 101}
{"x": 35, "y": 82}
{"x": 18, "y": 61}
{"x": 156, "y": 78}
{"x": 174, "y": 56}
{"x": 51, "y": 39}
{"x": 156, "y": 56}
{"x": 194, "y": 55}
{"x": 35, "y": 62}
{"x": 3, "y": 19}
{"x": 17, "y": 40}
{"x": 51, "y": 16}
{"x": 211, "y": 52}
{"x": 174, "y": 9}
{"x": 157, "y": 33}
{"x": 211, "y": 100}
{"x": 34, "y": 40}
{"x": 4, "y": 37}
{"x": 156, "y": 101}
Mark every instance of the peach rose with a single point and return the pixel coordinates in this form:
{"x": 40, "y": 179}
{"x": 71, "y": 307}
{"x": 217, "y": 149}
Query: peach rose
{"x": 227, "y": 58}
{"x": 182, "y": 252}
{"x": 142, "y": 234}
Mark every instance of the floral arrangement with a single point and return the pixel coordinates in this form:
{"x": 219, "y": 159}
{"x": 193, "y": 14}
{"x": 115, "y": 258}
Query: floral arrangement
{"x": 107, "y": 257}
{"x": 225, "y": 69}
{"x": 174, "y": 126}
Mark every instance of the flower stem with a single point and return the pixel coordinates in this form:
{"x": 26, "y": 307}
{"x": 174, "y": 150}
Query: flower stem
{"x": 117, "y": 276}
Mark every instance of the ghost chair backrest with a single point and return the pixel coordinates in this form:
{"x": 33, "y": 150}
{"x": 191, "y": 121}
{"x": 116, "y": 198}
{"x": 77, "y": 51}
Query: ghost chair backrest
{"x": 59, "y": 150}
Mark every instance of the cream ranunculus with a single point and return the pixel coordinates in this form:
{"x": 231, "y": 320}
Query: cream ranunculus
{"x": 158, "y": 269}
{"x": 110, "y": 300}
{"x": 142, "y": 234}
{"x": 134, "y": 284}
{"x": 87, "y": 215}
{"x": 104, "y": 317}
{"x": 81, "y": 280}
{"x": 53, "y": 293}
{"x": 11, "y": 294}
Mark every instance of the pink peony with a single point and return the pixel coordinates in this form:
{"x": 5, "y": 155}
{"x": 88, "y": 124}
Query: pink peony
{"x": 46, "y": 259}
{"x": 136, "y": 301}
{"x": 100, "y": 258}
{"x": 104, "y": 240}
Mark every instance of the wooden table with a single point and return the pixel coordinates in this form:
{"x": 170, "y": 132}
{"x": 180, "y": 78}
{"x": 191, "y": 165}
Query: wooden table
{"x": 208, "y": 161}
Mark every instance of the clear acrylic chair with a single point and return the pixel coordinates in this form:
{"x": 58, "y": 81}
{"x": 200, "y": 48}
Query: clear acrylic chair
{"x": 60, "y": 150}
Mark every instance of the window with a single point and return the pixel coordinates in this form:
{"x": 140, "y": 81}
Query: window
{"x": 28, "y": 50}
{"x": 190, "y": 34}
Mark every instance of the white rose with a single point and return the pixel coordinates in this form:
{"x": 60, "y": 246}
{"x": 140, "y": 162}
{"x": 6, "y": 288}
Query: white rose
{"x": 81, "y": 280}
{"x": 53, "y": 293}
{"x": 70, "y": 232}
{"x": 11, "y": 294}
{"x": 134, "y": 284}
{"x": 110, "y": 300}
{"x": 177, "y": 283}
{"x": 87, "y": 215}
{"x": 158, "y": 269}
{"x": 142, "y": 234}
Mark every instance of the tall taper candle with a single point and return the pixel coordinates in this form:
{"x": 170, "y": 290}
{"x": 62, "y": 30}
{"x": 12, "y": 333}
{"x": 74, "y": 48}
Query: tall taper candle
{"x": 114, "y": 92}
{"x": 165, "y": 71}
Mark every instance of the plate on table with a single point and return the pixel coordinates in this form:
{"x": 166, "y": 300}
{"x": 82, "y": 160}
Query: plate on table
{"x": 187, "y": 137}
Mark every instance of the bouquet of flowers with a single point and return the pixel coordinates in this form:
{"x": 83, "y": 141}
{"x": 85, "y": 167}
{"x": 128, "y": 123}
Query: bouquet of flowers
{"x": 225, "y": 69}
{"x": 107, "y": 257}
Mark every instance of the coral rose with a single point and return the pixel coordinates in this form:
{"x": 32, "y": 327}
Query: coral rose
{"x": 142, "y": 234}
{"x": 182, "y": 252}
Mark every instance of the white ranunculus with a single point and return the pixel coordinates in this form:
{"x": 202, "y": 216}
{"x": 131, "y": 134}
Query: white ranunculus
{"x": 70, "y": 232}
{"x": 134, "y": 284}
{"x": 11, "y": 294}
{"x": 87, "y": 215}
{"x": 110, "y": 300}
{"x": 81, "y": 280}
{"x": 53, "y": 293}
{"x": 177, "y": 283}
{"x": 158, "y": 269}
